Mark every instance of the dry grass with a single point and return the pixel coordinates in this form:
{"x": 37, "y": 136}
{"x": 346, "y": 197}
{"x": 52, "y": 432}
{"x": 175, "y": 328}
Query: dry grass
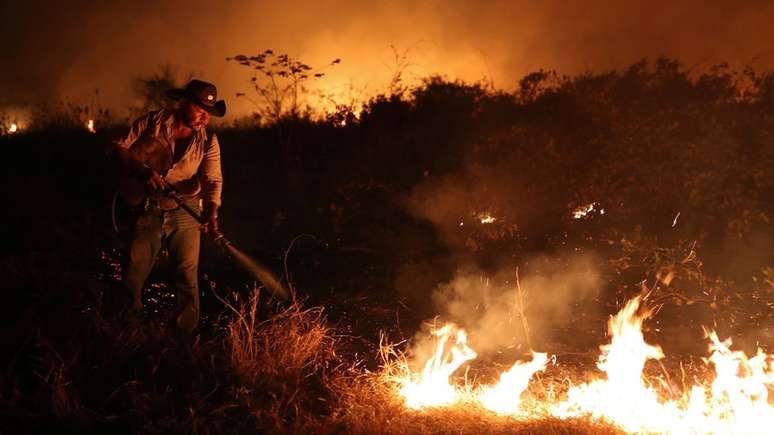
{"x": 369, "y": 403}
{"x": 52, "y": 371}
{"x": 289, "y": 345}
{"x": 283, "y": 365}
{"x": 268, "y": 371}
{"x": 293, "y": 381}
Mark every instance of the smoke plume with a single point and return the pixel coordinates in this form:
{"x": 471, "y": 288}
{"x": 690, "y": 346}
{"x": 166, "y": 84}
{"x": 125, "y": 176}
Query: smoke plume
{"x": 500, "y": 313}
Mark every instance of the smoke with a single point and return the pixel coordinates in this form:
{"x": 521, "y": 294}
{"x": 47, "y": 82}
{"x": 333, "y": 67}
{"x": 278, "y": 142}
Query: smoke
{"x": 456, "y": 204}
{"x": 453, "y": 206}
{"x": 489, "y": 217}
{"x": 52, "y": 52}
{"x": 500, "y": 314}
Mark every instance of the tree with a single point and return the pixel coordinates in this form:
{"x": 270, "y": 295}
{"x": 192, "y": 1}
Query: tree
{"x": 151, "y": 90}
{"x": 278, "y": 81}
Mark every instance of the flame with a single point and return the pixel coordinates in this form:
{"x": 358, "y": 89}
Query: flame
{"x": 738, "y": 398}
{"x": 504, "y": 397}
{"x": 432, "y": 387}
{"x": 14, "y": 128}
{"x": 622, "y": 397}
{"x": 734, "y": 401}
{"x": 90, "y": 126}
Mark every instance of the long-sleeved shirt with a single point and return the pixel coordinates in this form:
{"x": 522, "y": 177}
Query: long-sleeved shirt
{"x": 198, "y": 166}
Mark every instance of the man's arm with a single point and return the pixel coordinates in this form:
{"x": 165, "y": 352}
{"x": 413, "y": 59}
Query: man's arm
{"x": 211, "y": 178}
{"x": 119, "y": 148}
{"x": 119, "y": 151}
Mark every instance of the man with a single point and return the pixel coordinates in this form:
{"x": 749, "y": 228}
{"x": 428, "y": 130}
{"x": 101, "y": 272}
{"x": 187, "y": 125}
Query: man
{"x": 192, "y": 170}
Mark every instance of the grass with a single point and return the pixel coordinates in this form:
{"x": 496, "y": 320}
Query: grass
{"x": 369, "y": 404}
{"x": 283, "y": 364}
{"x": 266, "y": 370}
{"x": 261, "y": 367}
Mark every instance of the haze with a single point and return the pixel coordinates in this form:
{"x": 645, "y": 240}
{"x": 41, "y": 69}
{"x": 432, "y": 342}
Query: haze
{"x": 54, "y": 52}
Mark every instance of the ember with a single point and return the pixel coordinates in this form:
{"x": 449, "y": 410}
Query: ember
{"x": 485, "y": 218}
{"x": 587, "y": 210}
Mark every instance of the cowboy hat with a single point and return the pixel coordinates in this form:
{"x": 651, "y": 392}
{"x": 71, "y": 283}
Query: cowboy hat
{"x": 203, "y": 94}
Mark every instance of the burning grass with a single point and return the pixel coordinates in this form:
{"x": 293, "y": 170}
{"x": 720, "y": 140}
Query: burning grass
{"x": 293, "y": 356}
{"x": 279, "y": 372}
{"x": 733, "y": 399}
{"x": 286, "y": 370}
{"x": 373, "y": 402}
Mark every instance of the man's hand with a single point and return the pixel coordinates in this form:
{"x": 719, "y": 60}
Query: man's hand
{"x": 210, "y": 217}
{"x": 154, "y": 181}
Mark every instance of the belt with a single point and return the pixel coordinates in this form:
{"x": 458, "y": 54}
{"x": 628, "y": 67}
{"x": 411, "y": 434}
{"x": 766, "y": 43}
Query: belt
{"x": 153, "y": 204}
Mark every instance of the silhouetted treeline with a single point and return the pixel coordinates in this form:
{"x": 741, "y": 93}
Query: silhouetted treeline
{"x": 644, "y": 143}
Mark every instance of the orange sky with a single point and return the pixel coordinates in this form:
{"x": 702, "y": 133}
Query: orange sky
{"x": 54, "y": 53}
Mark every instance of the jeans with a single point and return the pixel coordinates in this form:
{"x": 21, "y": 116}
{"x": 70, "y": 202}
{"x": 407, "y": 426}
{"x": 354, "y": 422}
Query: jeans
{"x": 182, "y": 233}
